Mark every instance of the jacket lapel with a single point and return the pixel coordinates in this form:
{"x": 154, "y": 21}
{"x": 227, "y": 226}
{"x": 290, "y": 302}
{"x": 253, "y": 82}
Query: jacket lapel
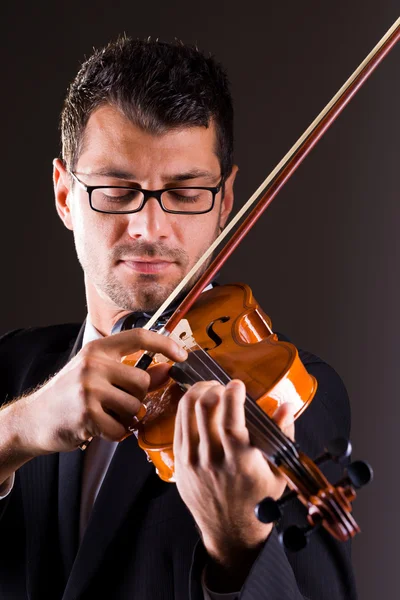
{"x": 124, "y": 480}
{"x": 121, "y": 488}
{"x": 39, "y": 492}
{"x": 69, "y": 491}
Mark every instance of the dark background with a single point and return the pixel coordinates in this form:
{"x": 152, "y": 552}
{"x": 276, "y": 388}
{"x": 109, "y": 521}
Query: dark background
{"x": 323, "y": 261}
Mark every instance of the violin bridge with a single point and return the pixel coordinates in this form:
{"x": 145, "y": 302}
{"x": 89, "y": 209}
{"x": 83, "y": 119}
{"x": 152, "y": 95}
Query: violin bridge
{"x": 183, "y": 336}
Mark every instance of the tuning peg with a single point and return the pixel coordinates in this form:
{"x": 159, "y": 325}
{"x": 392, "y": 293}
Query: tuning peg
{"x": 359, "y": 473}
{"x": 296, "y": 538}
{"x": 337, "y": 450}
{"x": 270, "y": 510}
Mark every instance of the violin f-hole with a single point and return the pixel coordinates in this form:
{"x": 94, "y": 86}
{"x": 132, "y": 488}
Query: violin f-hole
{"x": 212, "y": 334}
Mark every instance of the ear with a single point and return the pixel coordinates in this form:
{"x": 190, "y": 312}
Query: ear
{"x": 227, "y": 201}
{"x": 62, "y": 190}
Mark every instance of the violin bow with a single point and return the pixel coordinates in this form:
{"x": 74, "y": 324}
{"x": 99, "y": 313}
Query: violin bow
{"x": 270, "y": 187}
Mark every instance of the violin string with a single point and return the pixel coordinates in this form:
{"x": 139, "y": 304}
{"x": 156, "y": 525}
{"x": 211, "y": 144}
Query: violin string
{"x": 265, "y": 423}
{"x": 259, "y": 421}
{"x": 224, "y": 378}
{"x": 341, "y": 514}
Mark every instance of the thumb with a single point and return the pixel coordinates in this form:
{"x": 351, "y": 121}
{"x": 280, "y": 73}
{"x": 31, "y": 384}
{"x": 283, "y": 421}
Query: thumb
{"x": 284, "y": 418}
{"x": 159, "y": 375}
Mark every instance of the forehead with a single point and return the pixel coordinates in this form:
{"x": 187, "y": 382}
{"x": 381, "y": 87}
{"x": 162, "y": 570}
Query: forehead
{"x": 110, "y": 138}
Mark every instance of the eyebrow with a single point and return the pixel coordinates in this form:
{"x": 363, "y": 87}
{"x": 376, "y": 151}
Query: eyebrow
{"x": 195, "y": 174}
{"x": 185, "y": 176}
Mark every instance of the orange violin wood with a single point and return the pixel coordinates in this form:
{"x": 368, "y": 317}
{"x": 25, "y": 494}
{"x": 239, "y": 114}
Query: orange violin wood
{"x": 247, "y": 350}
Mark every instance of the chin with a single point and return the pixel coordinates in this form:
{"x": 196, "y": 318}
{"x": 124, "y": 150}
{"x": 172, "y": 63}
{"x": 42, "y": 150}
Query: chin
{"x": 151, "y": 300}
{"x": 147, "y": 296}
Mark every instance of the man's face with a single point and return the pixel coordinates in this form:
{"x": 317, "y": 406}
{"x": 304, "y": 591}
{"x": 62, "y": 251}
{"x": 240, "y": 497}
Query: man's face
{"x": 133, "y": 262}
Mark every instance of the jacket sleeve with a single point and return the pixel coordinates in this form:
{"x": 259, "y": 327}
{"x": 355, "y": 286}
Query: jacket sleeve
{"x": 7, "y": 486}
{"x": 5, "y": 363}
{"x": 323, "y": 570}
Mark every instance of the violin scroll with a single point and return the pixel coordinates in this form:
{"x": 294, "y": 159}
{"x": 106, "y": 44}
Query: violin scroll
{"x": 327, "y": 505}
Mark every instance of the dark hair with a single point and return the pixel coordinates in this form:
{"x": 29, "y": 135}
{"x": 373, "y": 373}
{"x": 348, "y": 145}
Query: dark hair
{"x": 157, "y": 85}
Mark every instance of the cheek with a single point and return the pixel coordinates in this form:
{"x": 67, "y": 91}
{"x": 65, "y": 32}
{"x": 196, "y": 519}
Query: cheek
{"x": 94, "y": 230}
{"x": 198, "y": 235}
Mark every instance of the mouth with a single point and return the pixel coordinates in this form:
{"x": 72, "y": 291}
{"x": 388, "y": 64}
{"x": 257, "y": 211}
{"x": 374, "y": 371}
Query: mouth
{"x": 146, "y": 265}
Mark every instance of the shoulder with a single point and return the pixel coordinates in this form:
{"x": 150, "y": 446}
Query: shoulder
{"x": 331, "y": 396}
{"x": 29, "y": 356}
{"x": 53, "y": 338}
{"x": 328, "y": 415}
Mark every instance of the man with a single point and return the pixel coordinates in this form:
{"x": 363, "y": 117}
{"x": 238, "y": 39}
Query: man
{"x": 141, "y": 118}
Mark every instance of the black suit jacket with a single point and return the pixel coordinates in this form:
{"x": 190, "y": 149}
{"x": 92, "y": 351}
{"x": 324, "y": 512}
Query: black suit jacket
{"x": 141, "y": 541}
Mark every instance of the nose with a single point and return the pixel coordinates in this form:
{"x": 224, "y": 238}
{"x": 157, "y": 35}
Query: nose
{"x": 150, "y": 223}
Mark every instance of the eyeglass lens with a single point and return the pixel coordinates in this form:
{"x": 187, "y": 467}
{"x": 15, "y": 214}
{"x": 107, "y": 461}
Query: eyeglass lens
{"x": 179, "y": 200}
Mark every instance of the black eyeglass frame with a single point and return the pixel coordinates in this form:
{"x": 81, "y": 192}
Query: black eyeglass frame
{"x": 147, "y": 194}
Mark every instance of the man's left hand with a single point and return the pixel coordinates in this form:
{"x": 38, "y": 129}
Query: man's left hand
{"x": 221, "y": 477}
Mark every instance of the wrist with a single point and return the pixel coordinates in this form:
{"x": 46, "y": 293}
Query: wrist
{"x": 228, "y": 550}
{"x": 18, "y": 440}
{"x": 12, "y": 454}
{"x": 230, "y": 561}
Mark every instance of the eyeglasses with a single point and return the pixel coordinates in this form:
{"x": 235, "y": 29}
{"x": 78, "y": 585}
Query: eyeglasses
{"x": 126, "y": 200}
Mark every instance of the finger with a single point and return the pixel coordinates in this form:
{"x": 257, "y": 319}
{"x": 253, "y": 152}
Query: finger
{"x": 159, "y": 375}
{"x": 129, "y": 379}
{"x": 109, "y": 428}
{"x": 233, "y": 418}
{"x": 208, "y": 417}
{"x": 121, "y": 406}
{"x": 234, "y": 433}
{"x": 284, "y": 418}
{"x": 177, "y": 445}
{"x": 126, "y": 342}
{"x": 189, "y": 430}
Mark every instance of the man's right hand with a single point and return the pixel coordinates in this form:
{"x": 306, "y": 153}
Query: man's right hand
{"x": 93, "y": 395}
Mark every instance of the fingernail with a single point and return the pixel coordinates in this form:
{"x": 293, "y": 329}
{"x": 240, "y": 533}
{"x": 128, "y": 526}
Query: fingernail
{"x": 210, "y": 401}
{"x": 139, "y": 415}
{"x": 234, "y": 383}
{"x": 289, "y": 420}
{"x": 182, "y": 352}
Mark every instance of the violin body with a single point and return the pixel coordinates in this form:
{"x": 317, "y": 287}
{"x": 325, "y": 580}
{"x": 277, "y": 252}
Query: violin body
{"x": 228, "y": 324}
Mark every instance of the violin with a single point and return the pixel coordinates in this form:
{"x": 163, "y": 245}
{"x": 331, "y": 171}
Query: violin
{"x": 228, "y": 335}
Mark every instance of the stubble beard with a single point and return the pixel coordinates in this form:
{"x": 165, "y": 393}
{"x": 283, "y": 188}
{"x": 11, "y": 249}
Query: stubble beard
{"x": 146, "y": 294}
